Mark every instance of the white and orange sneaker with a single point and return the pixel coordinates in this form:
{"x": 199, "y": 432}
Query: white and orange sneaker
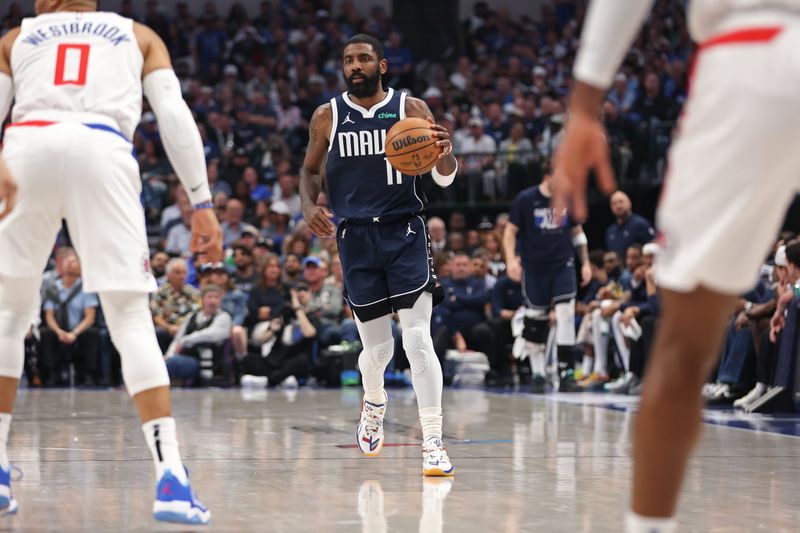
{"x": 435, "y": 461}
{"x": 369, "y": 434}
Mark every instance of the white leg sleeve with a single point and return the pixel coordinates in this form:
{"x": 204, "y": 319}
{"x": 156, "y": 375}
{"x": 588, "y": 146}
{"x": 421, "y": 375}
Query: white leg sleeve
{"x": 426, "y": 371}
{"x": 132, "y": 332}
{"x": 376, "y": 337}
{"x": 18, "y": 306}
{"x": 565, "y": 323}
{"x": 600, "y": 342}
{"x": 619, "y": 339}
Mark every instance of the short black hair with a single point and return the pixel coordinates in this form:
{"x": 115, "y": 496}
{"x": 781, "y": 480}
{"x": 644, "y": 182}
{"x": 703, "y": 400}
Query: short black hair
{"x": 596, "y": 257}
{"x": 793, "y": 253}
{"x": 363, "y": 38}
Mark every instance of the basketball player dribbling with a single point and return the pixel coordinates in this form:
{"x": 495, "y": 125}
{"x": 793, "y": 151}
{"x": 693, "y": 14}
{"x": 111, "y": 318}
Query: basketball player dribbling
{"x": 383, "y": 241}
{"x": 733, "y": 170}
{"x": 78, "y": 76}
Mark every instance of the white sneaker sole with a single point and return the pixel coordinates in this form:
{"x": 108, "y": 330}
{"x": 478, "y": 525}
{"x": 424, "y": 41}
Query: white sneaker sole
{"x": 180, "y": 512}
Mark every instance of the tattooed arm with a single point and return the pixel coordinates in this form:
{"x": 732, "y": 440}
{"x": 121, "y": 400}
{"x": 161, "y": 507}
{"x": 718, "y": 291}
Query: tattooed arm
{"x": 317, "y": 217}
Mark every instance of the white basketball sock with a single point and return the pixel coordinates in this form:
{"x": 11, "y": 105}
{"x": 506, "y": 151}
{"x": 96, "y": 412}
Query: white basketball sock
{"x": 588, "y": 363}
{"x": 5, "y": 425}
{"x": 536, "y": 352}
{"x": 431, "y": 420}
{"x": 635, "y": 523}
{"x": 162, "y": 440}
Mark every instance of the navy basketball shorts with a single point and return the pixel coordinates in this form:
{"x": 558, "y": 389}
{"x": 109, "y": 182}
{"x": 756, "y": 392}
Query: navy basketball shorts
{"x": 386, "y": 266}
{"x": 546, "y": 287}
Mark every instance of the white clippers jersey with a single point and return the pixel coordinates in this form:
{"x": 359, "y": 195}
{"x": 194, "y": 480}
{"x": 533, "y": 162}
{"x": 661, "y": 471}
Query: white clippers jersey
{"x": 78, "y": 63}
{"x": 704, "y": 15}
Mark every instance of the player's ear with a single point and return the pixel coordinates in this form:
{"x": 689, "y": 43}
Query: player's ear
{"x": 383, "y": 65}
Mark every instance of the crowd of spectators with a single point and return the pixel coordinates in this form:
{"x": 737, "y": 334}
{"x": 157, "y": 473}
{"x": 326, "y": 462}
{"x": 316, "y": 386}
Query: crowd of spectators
{"x": 268, "y": 312}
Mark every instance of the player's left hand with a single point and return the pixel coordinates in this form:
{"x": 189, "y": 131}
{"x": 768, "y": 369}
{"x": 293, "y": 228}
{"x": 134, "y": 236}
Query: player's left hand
{"x": 206, "y": 236}
{"x": 586, "y": 274}
{"x": 441, "y": 133}
{"x": 8, "y": 190}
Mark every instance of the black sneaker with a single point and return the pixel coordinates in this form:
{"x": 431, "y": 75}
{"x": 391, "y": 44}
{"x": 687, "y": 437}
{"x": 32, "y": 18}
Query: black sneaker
{"x": 566, "y": 382}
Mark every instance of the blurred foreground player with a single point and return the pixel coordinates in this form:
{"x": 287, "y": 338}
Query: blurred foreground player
{"x": 383, "y": 241}
{"x": 78, "y": 77}
{"x": 733, "y": 172}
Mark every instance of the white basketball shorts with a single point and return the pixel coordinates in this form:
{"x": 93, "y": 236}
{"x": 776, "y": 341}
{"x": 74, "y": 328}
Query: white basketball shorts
{"x": 89, "y": 178}
{"x": 734, "y": 167}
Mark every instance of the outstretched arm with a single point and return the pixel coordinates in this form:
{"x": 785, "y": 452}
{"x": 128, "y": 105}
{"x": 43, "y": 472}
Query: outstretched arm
{"x": 445, "y": 170}
{"x": 608, "y": 31}
{"x": 317, "y": 217}
{"x": 181, "y": 140}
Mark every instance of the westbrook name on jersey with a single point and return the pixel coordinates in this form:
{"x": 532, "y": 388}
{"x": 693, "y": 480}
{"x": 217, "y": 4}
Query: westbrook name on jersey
{"x": 361, "y": 182}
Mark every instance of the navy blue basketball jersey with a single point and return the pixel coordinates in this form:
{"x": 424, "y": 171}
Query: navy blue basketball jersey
{"x": 544, "y": 235}
{"x": 361, "y": 182}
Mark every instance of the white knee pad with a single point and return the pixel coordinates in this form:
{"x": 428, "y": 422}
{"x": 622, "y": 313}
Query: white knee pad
{"x": 376, "y": 358}
{"x": 565, "y": 323}
{"x": 131, "y": 327}
{"x": 18, "y": 306}
{"x": 419, "y": 349}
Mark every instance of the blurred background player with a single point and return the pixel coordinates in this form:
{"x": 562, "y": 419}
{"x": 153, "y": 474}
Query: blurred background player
{"x": 383, "y": 240}
{"x": 546, "y": 239}
{"x": 78, "y": 76}
{"x": 734, "y": 126}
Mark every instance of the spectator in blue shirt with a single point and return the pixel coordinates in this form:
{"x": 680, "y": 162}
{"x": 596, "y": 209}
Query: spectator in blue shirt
{"x": 69, "y": 315}
{"x": 629, "y": 227}
{"x": 464, "y": 311}
{"x": 506, "y": 299}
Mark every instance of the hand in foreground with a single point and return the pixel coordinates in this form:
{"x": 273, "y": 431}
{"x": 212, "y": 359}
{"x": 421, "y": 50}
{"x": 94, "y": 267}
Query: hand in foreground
{"x": 319, "y": 222}
{"x": 584, "y": 148}
{"x": 206, "y": 241}
{"x": 441, "y": 133}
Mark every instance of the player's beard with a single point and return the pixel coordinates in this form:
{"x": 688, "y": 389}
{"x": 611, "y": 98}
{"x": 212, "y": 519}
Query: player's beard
{"x": 368, "y": 87}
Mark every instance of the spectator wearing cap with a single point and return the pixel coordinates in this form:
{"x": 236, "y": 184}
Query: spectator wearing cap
{"x": 476, "y": 160}
{"x": 286, "y": 192}
{"x": 148, "y": 127}
{"x": 197, "y": 346}
{"x": 327, "y": 304}
{"x": 179, "y": 238}
{"x": 438, "y": 234}
{"x": 249, "y": 237}
{"x": 261, "y": 250}
{"x": 173, "y": 302}
{"x": 245, "y": 275}
{"x": 234, "y": 301}
{"x": 275, "y": 225}
{"x": 629, "y": 228}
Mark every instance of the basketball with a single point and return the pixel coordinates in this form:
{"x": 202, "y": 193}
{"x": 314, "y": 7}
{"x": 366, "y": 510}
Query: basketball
{"x": 411, "y": 147}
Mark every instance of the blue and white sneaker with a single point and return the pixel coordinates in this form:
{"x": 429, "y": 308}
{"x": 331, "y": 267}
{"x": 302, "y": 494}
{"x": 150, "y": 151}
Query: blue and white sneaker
{"x": 8, "y": 505}
{"x": 176, "y": 502}
{"x": 369, "y": 434}
{"x": 435, "y": 462}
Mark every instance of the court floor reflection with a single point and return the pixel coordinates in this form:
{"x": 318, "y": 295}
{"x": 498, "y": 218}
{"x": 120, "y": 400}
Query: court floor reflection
{"x": 286, "y": 461}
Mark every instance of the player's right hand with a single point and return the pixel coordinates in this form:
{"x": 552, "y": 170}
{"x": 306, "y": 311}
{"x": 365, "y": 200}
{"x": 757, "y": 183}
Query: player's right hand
{"x": 8, "y": 190}
{"x": 514, "y": 270}
{"x": 206, "y": 241}
{"x": 584, "y": 148}
{"x": 318, "y": 219}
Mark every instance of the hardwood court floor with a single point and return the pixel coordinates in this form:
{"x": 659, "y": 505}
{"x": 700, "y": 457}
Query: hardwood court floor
{"x": 285, "y": 461}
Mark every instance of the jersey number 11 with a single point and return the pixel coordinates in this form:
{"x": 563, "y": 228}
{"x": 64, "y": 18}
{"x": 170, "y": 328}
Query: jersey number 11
{"x": 393, "y": 176}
